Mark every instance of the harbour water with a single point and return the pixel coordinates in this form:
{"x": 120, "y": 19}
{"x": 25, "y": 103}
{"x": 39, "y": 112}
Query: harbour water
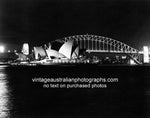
{"x": 20, "y": 97}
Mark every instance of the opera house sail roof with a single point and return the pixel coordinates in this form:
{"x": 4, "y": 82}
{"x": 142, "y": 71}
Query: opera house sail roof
{"x": 39, "y": 51}
{"x": 66, "y": 50}
{"x": 53, "y": 53}
{"x": 75, "y": 52}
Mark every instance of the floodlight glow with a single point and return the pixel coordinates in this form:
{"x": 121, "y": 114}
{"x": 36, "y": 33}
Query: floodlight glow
{"x": 2, "y": 49}
{"x": 132, "y": 62}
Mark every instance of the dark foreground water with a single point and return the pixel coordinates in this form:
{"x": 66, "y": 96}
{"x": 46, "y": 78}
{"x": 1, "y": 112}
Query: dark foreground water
{"x": 20, "y": 97}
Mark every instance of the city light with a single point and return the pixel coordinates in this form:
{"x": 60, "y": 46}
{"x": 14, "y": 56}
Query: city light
{"x": 132, "y": 62}
{"x": 2, "y": 49}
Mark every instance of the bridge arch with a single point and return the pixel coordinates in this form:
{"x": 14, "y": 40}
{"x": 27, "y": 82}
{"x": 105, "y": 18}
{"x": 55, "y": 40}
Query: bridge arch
{"x": 95, "y": 43}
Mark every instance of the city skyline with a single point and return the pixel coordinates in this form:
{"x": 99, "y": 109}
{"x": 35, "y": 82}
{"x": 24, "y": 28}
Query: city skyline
{"x": 40, "y": 21}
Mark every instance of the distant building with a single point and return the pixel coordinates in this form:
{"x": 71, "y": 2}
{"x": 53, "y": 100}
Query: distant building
{"x": 25, "y": 49}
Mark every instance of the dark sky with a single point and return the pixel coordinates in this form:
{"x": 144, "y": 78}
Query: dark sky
{"x": 40, "y": 21}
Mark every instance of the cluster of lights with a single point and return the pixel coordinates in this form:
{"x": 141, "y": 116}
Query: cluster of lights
{"x": 12, "y": 51}
{"x": 2, "y": 49}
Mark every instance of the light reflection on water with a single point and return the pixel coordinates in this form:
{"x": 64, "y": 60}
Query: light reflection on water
{"x": 4, "y": 95}
{"x": 20, "y": 98}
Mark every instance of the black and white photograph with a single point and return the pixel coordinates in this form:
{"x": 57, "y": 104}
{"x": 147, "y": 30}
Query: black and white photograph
{"x": 74, "y": 59}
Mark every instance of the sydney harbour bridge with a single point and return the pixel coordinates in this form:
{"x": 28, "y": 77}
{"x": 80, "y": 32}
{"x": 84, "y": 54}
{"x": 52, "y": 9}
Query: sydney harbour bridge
{"x": 95, "y": 43}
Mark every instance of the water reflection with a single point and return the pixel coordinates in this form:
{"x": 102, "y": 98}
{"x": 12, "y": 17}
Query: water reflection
{"x": 21, "y": 98}
{"x": 4, "y": 95}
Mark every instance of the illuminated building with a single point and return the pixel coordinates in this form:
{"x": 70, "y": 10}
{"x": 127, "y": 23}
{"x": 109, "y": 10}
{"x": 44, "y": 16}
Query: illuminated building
{"x": 65, "y": 51}
{"x": 25, "y": 49}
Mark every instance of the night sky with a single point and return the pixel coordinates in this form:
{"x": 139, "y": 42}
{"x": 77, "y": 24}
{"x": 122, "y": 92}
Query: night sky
{"x": 40, "y": 21}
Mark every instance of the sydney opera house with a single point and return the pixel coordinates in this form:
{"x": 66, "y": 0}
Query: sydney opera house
{"x": 57, "y": 50}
